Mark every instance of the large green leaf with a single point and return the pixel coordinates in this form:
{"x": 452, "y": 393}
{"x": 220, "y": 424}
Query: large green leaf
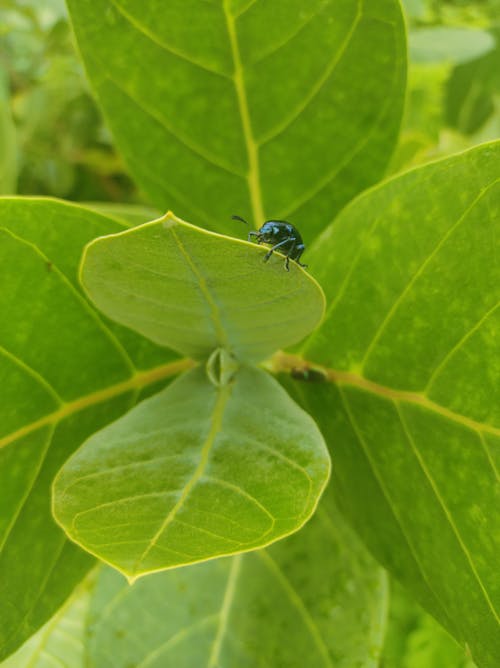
{"x": 264, "y": 109}
{"x": 314, "y": 599}
{"x": 64, "y": 372}
{"x": 411, "y": 345}
{"x": 197, "y": 471}
{"x": 196, "y": 291}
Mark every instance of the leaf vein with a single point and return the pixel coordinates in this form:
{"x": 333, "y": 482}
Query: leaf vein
{"x": 318, "y": 85}
{"x": 298, "y": 603}
{"x": 446, "y": 511}
{"x": 151, "y": 36}
{"x": 408, "y": 287}
{"x": 195, "y": 148}
{"x": 385, "y": 493}
{"x": 215, "y": 427}
{"x": 33, "y": 373}
{"x": 225, "y": 612}
{"x": 439, "y": 368}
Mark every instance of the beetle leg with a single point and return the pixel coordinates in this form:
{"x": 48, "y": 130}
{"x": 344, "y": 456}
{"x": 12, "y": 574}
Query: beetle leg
{"x": 281, "y": 243}
{"x": 297, "y": 259}
{"x": 253, "y": 233}
{"x": 290, "y": 252}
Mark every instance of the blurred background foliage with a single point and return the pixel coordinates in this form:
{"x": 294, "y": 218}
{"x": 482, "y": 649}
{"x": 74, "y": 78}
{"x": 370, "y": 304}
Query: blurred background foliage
{"x": 53, "y": 141}
{"x": 52, "y": 137}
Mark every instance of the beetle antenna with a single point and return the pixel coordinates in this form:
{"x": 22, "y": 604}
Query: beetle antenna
{"x": 239, "y": 218}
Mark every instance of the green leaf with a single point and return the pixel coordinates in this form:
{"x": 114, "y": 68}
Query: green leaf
{"x": 314, "y": 599}
{"x": 453, "y": 45}
{"x": 195, "y": 291}
{"x": 472, "y": 89}
{"x": 411, "y": 344}
{"x": 60, "y": 642}
{"x": 263, "y": 109}
{"x": 194, "y": 473}
{"x": 65, "y": 372}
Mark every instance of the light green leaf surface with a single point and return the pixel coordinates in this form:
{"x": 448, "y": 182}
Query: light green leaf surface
{"x": 64, "y": 372}
{"x": 315, "y": 599}
{"x": 446, "y": 44}
{"x": 193, "y": 473}
{"x": 411, "y": 341}
{"x": 268, "y": 110}
{"x": 61, "y": 642}
{"x": 195, "y": 291}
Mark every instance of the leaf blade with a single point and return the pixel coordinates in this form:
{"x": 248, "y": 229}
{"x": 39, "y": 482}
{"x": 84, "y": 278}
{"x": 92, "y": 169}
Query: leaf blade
{"x": 196, "y": 291}
{"x": 207, "y": 611}
{"x": 225, "y": 113}
{"x": 49, "y": 409}
{"x": 413, "y": 440}
{"x": 197, "y": 500}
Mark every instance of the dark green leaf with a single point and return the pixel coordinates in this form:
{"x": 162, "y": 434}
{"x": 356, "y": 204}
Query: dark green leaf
{"x": 64, "y": 372}
{"x": 411, "y": 341}
{"x": 262, "y": 109}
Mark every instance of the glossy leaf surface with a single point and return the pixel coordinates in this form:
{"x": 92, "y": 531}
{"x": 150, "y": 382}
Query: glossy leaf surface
{"x": 268, "y": 110}
{"x": 315, "y": 599}
{"x": 65, "y": 372}
{"x": 193, "y": 473}
{"x": 411, "y": 339}
{"x": 196, "y": 291}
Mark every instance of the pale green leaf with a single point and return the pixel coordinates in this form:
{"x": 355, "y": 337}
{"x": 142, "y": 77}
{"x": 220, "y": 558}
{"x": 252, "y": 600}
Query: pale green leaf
{"x": 196, "y": 291}
{"x": 411, "y": 344}
{"x": 264, "y": 109}
{"x": 449, "y": 44}
{"x": 314, "y": 599}
{"x": 64, "y": 372}
{"x": 194, "y": 473}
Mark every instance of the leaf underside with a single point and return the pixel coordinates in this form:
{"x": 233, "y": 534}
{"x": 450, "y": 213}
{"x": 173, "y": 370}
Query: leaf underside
{"x": 196, "y": 291}
{"x": 193, "y": 473}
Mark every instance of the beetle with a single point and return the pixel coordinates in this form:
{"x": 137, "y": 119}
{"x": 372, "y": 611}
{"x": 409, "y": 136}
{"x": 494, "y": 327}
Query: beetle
{"x": 281, "y": 235}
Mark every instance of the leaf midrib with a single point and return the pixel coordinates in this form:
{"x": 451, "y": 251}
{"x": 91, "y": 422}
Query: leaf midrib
{"x": 215, "y": 427}
{"x": 281, "y": 362}
{"x": 137, "y": 381}
{"x": 253, "y": 176}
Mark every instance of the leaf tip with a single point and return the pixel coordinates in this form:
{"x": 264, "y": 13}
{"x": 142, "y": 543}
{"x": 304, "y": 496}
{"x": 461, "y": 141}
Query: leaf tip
{"x": 169, "y": 220}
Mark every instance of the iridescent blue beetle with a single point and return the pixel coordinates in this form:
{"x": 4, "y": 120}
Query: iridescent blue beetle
{"x": 282, "y": 235}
